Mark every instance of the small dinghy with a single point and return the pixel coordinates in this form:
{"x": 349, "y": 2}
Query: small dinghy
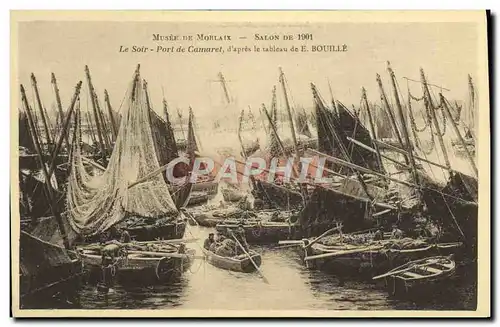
{"x": 420, "y": 273}
{"x": 240, "y": 263}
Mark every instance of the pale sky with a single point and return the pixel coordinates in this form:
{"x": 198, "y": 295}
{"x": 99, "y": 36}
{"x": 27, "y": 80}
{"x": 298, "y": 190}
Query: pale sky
{"x": 446, "y": 51}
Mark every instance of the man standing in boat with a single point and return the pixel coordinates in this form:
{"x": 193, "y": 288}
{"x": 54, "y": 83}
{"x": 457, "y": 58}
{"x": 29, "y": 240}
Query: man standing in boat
{"x": 240, "y": 235}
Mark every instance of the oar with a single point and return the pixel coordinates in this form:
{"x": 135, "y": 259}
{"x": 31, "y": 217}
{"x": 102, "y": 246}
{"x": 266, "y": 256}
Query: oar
{"x": 186, "y": 213}
{"x": 251, "y": 260}
{"x": 176, "y": 241}
{"x": 290, "y": 242}
{"x": 338, "y": 253}
{"x": 166, "y": 254}
{"x": 322, "y": 235}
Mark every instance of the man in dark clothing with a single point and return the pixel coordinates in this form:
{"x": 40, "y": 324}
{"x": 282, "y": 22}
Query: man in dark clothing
{"x": 125, "y": 236}
{"x": 209, "y": 241}
{"x": 240, "y": 235}
{"x": 379, "y": 235}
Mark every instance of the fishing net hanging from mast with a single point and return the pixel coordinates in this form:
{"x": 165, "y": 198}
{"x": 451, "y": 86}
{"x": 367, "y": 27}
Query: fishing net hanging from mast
{"x": 95, "y": 203}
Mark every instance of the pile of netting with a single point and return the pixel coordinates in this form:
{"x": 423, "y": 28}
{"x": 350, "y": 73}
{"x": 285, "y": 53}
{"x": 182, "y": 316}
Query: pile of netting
{"x": 95, "y": 203}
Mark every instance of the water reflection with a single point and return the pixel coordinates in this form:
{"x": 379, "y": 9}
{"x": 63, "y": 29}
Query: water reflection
{"x": 291, "y": 287}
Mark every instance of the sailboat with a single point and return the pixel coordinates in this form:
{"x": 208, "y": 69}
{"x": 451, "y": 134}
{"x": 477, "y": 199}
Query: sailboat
{"x": 130, "y": 194}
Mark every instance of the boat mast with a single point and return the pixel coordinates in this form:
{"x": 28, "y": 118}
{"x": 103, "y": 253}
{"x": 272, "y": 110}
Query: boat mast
{"x": 59, "y": 106}
{"x": 224, "y": 87}
{"x": 96, "y": 115}
{"x": 145, "y": 88}
{"x": 170, "y": 131}
{"x": 372, "y": 127}
{"x": 334, "y": 107}
{"x": 48, "y": 185}
{"x": 179, "y": 115}
{"x": 430, "y": 107}
{"x": 89, "y": 122}
{"x": 469, "y": 156}
{"x": 290, "y": 117}
{"x": 391, "y": 114}
{"x": 104, "y": 124}
{"x": 111, "y": 117}
{"x": 40, "y": 108}
{"x": 347, "y": 157}
{"x": 472, "y": 107}
{"x": 65, "y": 129}
{"x": 404, "y": 127}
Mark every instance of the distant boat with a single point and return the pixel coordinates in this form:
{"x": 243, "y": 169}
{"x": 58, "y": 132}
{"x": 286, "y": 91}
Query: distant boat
{"x": 239, "y": 263}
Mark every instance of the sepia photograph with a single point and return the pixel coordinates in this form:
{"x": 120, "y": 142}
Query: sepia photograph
{"x": 250, "y": 164}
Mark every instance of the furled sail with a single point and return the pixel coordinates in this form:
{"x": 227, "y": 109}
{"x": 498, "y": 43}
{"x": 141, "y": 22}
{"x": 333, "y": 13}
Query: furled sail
{"x": 95, "y": 203}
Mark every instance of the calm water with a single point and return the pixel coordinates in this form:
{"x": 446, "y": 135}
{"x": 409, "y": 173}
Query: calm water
{"x": 291, "y": 286}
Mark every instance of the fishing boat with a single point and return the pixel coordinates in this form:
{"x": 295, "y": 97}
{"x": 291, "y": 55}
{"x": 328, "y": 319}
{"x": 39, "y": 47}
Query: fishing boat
{"x": 147, "y": 262}
{"x": 261, "y": 232}
{"x": 173, "y": 229}
{"x": 47, "y": 272}
{"x": 360, "y": 253}
{"x": 131, "y": 193}
{"x": 210, "y": 216}
{"x": 239, "y": 263}
{"x": 419, "y": 274}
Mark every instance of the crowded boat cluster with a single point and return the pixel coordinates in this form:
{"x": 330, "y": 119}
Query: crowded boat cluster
{"x": 97, "y": 205}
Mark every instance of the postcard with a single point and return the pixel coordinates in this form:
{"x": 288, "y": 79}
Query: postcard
{"x": 250, "y": 164}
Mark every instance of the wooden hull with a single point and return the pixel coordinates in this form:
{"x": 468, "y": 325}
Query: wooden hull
{"x": 208, "y": 217}
{"x": 241, "y": 263}
{"x": 422, "y": 279}
{"x": 47, "y": 273}
{"x": 202, "y": 192}
{"x": 263, "y": 233}
{"x": 206, "y": 220}
{"x": 169, "y": 231}
{"x": 138, "y": 269}
{"x": 369, "y": 263}
{"x": 277, "y": 196}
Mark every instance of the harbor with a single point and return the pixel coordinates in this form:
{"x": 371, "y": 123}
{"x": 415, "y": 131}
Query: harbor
{"x": 365, "y": 208}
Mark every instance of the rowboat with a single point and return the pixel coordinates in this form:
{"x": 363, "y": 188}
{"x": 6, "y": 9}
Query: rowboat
{"x": 365, "y": 257}
{"x": 240, "y": 263}
{"x": 419, "y": 273}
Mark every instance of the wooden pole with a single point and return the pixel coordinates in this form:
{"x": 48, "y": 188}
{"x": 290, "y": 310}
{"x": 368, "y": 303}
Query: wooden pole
{"x": 111, "y": 116}
{"x": 372, "y": 127}
{"x": 96, "y": 115}
{"x": 403, "y": 124}
{"x": 318, "y": 101}
{"x": 40, "y": 108}
{"x": 469, "y": 156}
{"x": 89, "y": 122}
{"x": 224, "y": 88}
{"x": 59, "y": 106}
{"x": 290, "y": 117}
{"x": 366, "y": 147}
{"x": 391, "y": 114}
{"x": 103, "y": 124}
{"x": 65, "y": 129}
{"x": 321, "y": 236}
{"x": 50, "y": 191}
{"x": 430, "y": 106}
{"x": 250, "y": 257}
